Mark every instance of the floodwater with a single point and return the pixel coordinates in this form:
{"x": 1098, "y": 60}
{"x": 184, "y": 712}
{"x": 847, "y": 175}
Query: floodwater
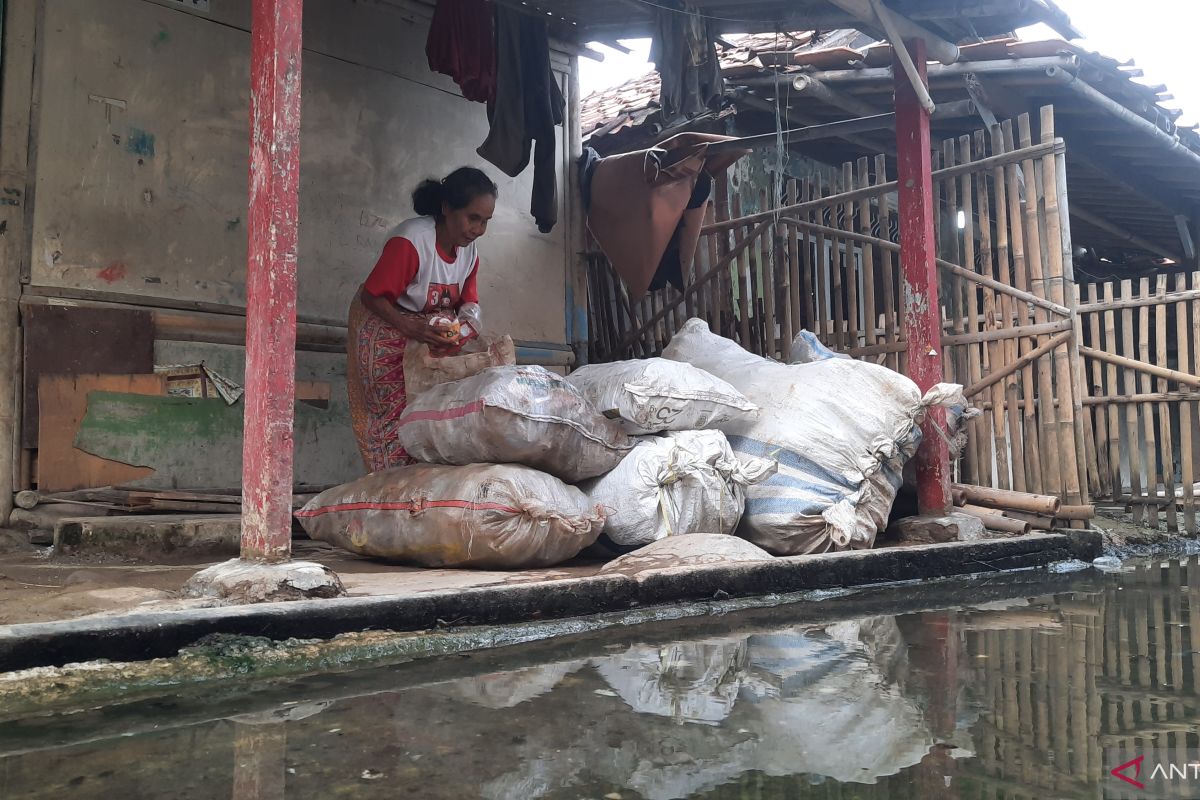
{"x": 1033, "y": 685}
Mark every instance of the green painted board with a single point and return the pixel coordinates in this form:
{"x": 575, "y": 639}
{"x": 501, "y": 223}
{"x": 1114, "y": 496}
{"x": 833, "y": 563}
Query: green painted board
{"x": 196, "y": 444}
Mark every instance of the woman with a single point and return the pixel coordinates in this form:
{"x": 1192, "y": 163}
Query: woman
{"x": 423, "y": 290}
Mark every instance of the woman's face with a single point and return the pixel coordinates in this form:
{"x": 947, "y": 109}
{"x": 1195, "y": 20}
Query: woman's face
{"x": 465, "y": 225}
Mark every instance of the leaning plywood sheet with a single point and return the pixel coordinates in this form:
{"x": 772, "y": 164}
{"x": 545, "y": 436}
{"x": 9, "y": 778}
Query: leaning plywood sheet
{"x": 197, "y": 443}
{"x": 65, "y": 340}
{"x": 63, "y": 399}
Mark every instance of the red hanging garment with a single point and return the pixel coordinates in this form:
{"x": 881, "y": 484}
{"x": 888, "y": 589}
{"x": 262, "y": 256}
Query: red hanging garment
{"x": 462, "y": 44}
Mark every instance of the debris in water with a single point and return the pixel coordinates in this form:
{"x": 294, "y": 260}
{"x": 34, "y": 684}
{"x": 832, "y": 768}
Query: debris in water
{"x": 1110, "y": 564}
{"x": 371, "y": 774}
{"x": 1072, "y": 565}
{"x": 606, "y": 693}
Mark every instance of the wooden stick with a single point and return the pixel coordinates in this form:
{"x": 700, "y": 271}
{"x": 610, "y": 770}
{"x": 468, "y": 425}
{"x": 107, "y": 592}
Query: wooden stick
{"x": 1186, "y": 468}
{"x": 1150, "y": 453}
{"x": 1178, "y": 296}
{"x": 996, "y": 521}
{"x": 995, "y": 352}
{"x": 870, "y": 310}
{"x": 743, "y": 273}
{"x": 1005, "y": 500}
{"x": 853, "y": 326}
{"x": 981, "y": 452}
{"x": 766, "y": 281}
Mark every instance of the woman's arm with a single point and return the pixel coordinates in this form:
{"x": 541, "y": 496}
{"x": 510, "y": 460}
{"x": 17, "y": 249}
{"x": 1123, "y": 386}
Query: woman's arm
{"x": 412, "y": 326}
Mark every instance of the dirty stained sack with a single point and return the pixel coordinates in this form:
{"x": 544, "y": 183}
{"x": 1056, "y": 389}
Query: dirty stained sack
{"x": 423, "y": 370}
{"x": 513, "y": 415}
{"x": 685, "y": 482}
{"x": 840, "y": 429}
{"x": 653, "y": 395}
{"x": 484, "y": 516}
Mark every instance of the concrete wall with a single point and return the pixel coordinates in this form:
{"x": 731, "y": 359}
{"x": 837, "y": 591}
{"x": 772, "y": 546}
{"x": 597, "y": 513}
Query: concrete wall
{"x": 139, "y": 178}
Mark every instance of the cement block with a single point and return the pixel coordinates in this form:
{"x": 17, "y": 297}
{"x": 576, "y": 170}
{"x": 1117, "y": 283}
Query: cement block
{"x": 931, "y": 529}
{"x": 166, "y": 539}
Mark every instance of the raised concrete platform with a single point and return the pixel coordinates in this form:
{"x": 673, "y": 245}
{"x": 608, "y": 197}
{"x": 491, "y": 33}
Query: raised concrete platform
{"x": 517, "y": 597}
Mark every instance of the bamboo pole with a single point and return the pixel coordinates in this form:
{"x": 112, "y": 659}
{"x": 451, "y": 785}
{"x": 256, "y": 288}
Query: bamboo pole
{"x": 1047, "y": 505}
{"x": 980, "y": 464}
{"x": 1132, "y": 434}
{"x": 996, "y": 353}
{"x": 824, "y": 266}
{"x": 1017, "y": 435}
{"x": 1135, "y": 365}
{"x": 1150, "y": 454}
{"x": 996, "y": 521}
{"x": 1167, "y": 450}
{"x": 868, "y": 255}
{"x": 837, "y": 285}
{"x": 853, "y": 326}
{"x": 1043, "y": 456}
{"x": 1178, "y": 296}
{"x": 743, "y": 281}
{"x": 1114, "y": 417}
{"x": 766, "y": 283}
{"x": 1186, "y": 467}
{"x": 1019, "y": 364}
{"x": 1099, "y": 419}
{"x": 795, "y": 284}
{"x": 890, "y": 304}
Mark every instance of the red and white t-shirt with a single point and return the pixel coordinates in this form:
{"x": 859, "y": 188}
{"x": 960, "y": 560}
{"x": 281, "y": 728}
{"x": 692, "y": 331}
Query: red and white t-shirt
{"x": 417, "y": 276}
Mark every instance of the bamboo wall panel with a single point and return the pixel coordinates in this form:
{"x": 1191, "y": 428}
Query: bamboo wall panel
{"x": 821, "y": 255}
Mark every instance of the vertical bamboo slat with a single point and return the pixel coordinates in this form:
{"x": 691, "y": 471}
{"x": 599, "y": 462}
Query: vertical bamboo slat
{"x": 1146, "y": 410}
{"x": 1165, "y": 435}
{"x": 1111, "y": 387}
{"x": 870, "y": 314}
{"x": 1132, "y": 434}
{"x": 1186, "y": 473}
{"x": 1099, "y": 419}
{"x": 890, "y": 304}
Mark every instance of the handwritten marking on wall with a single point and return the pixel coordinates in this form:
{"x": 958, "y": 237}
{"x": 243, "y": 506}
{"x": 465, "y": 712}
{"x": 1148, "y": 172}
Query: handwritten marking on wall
{"x": 113, "y": 272}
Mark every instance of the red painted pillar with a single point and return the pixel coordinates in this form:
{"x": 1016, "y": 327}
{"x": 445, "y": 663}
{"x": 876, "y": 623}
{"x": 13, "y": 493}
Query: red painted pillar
{"x": 919, "y": 292}
{"x": 271, "y": 279}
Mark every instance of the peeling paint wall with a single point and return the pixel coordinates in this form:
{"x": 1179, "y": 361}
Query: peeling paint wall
{"x": 142, "y": 151}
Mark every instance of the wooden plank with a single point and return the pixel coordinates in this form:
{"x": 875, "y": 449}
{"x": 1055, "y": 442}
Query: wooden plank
{"x": 1165, "y": 434}
{"x": 1186, "y": 466}
{"x": 62, "y": 340}
{"x": 63, "y": 400}
{"x": 1133, "y": 435}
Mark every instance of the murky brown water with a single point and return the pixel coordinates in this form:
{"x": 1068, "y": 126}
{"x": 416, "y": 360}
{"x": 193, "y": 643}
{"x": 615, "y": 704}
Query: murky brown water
{"x": 1009, "y": 698}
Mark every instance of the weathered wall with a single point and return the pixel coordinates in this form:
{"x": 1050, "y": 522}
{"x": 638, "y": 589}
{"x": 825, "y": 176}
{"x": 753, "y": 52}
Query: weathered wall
{"x": 142, "y": 153}
{"x": 140, "y": 132}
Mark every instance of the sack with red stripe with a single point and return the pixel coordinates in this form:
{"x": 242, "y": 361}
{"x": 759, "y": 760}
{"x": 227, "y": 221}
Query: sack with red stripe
{"x": 513, "y": 415}
{"x": 484, "y": 515}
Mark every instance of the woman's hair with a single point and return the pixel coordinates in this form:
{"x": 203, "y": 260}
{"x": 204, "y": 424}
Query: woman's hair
{"x": 456, "y": 190}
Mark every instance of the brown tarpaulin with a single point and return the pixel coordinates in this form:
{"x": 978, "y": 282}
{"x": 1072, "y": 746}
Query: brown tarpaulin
{"x": 639, "y": 199}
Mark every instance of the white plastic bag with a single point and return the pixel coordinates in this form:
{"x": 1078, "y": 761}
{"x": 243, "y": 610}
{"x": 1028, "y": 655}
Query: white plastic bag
{"x": 840, "y": 429}
{"x": 806, "y": 348}
{"x": 513, "y": 415}
{"x": 485, "y": 515}
{"x": 685, "y": 482}
{"x": 654, "y": 395}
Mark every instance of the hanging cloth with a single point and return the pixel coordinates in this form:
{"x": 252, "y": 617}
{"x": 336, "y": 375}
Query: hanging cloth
{"x": 640, "y": 202}
{"x": 462, "y": 44}
{"x": 529, "y": 105}
{"x": 686, "y": 59}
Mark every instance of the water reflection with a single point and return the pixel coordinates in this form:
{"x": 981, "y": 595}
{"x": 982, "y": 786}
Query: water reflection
{"x": 1014, "y": 699}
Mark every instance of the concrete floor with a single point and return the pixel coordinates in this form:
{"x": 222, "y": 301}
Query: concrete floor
{"x": 36, "y": 586}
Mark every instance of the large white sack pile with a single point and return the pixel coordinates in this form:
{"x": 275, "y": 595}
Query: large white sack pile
{"x": 684, "y": 482}
{"x": 513, "y": 415}
{"x": 654, "y": 394}
{"x": 487, "y": 516}
{"x": 840, "y": 429}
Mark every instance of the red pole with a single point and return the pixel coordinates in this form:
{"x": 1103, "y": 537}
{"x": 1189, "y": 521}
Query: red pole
{"x": 275, "y": 57}
{"x": 918, "y": 253}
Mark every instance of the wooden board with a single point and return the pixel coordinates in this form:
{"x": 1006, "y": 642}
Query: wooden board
{"x": 66, "y": 340}
{"x": 63, "y": 399}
